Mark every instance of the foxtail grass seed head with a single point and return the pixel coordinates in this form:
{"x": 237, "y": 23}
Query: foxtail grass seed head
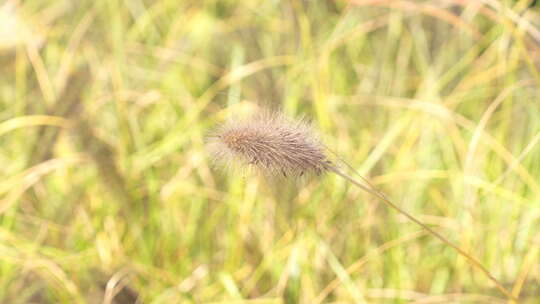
{"x": 275, "y": 144}
{"x": 272, "y": 143}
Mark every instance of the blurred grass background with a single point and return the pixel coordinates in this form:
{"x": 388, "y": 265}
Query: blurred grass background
{"x": 107, "y": 194}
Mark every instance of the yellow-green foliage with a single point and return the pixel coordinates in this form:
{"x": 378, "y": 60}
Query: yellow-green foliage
{"x": 107, "y": 194}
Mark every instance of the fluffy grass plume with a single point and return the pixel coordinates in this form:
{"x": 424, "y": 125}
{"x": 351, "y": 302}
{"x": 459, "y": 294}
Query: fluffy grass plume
{"x": 272, "y": 143}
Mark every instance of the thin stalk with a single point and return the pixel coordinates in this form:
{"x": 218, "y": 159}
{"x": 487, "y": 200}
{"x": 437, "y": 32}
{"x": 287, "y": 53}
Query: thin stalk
{"x": 460, "y": 251}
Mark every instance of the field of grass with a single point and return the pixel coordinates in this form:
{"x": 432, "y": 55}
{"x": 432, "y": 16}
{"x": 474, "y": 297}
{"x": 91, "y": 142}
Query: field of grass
{"x": 107, "y": 194}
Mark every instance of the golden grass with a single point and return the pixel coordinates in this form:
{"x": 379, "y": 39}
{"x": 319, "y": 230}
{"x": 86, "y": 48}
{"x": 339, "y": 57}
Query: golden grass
{"x": 107, "y": 194}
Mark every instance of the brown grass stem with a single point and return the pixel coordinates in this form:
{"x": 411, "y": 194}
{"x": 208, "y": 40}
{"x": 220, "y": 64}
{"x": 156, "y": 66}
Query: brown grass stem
{"x": 460, "y": 251}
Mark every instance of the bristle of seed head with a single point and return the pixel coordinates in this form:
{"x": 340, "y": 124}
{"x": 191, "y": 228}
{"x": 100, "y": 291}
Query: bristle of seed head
{"x": 272, "y": 143}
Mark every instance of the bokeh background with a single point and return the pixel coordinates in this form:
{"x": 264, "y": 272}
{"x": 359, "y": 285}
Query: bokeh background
{"x": 108, "y": 196}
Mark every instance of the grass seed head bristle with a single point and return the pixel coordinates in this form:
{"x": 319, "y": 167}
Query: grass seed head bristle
{"x": 272, "y": 143}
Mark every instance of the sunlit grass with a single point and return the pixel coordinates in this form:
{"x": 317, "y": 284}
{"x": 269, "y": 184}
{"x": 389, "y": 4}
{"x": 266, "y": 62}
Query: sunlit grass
{"x": 107, "y": 194}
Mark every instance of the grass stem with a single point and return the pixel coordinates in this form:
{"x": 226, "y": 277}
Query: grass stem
{"x": 460, "y": 251}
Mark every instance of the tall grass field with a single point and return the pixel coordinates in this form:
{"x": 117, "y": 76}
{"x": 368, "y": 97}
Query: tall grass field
{"x": 108, "y": 192}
